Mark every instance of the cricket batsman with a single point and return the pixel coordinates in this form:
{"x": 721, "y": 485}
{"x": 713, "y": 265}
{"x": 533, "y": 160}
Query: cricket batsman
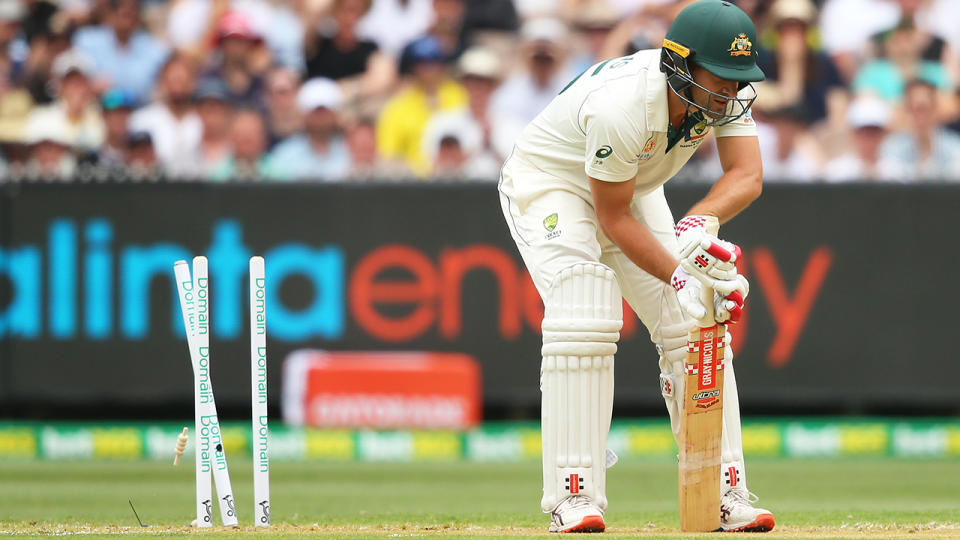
{"x": 582, "y": 196}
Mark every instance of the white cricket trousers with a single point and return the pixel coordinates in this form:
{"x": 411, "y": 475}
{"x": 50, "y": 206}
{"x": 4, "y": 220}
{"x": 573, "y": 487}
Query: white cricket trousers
{"x": 577, "y": 237}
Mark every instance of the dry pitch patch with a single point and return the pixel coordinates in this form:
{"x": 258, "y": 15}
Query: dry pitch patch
{"x": 854, "y": 530}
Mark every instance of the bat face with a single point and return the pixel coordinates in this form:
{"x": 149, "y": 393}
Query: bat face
{"x": 705, "y": 360}
{"x": 701, "y": 428}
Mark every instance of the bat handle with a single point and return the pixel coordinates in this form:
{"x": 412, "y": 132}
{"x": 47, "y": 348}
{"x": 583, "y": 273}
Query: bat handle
{"x": 712, "y": 226}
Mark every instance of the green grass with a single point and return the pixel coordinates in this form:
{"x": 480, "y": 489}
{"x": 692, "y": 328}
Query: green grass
{"x": 885, "y": 498}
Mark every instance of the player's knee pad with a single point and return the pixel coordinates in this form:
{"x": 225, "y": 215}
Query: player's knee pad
{"x": 581, "y": 327}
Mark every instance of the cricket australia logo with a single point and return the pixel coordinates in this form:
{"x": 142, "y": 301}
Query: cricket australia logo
{"x": 741, "y": 46}
{"x": 550, "y": 224}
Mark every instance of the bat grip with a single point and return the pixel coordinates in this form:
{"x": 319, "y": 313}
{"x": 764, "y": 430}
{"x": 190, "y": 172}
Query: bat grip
{"x": 712, "y": 227}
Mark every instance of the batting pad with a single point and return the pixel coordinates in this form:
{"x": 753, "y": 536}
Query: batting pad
{"x": 581, "y": 326}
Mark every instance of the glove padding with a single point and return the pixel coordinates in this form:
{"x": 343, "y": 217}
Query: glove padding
{"x": 712, "y": 262}
{"x": 727, "y": 308}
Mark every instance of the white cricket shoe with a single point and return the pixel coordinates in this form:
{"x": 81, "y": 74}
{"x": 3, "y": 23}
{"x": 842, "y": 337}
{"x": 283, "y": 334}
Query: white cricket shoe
{"x": 577, "y": 514}
{"x": 737, "y": 513}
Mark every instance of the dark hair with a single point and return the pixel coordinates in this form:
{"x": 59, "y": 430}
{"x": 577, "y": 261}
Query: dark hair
{"x": 114, "y": 4}
{"x": 174, "y": 58}
{"x": 913, "y": 83}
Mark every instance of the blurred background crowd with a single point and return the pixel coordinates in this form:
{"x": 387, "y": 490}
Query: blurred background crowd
{"x": 419, "y": 90}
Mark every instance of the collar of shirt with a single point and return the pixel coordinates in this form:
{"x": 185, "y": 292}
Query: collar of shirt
{"x": 656, "y": 96}
{"x": 674, "y": 135}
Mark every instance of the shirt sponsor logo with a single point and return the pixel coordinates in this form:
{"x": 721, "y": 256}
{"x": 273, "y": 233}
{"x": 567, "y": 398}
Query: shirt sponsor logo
{"x": 604, "y": 151}
{"x": 648, "y": 148}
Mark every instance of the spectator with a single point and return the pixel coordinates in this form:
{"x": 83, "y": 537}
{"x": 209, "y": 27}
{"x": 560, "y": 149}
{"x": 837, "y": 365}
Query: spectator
{"x": 356, "y": 64}
{"x": 125, "y": 56}
{"x": 429, "y": 90}
{"x": 450, "y": 158}
{"x": 365, "y": 161}
{"x": 453, "y": 145}
{"x": 15, "y": 101}
{"x": 395, "y": 23}
{"x": 489, "y": 16}
{"x": 13, "y": 46}
{"x": 283, "y": 115}
{"x": 192, "y": 26}
{"x": 214, "y": 111}
{"x": 50, "y": 40}
{"x": 117, "y": 107}
{"x": 593, "y": 22}
{"x": 887, "y": 77}
{"x": 285, "y": 31}
{"x": 172, "y": 122}
{"x": 248, "y": 146}
{"x": 796, "y": 73}
{"x": 447, "y": 27}
{"x": 15, "y": 108}
{"x": 868, "y": 118}
{"x": 929, "y": 152}
{"x": 917, "y": 13}
{"x": 50, "y": 155}
{"x": 142, "y": 156}
{"x": 643, "y": 25}
{"x": 480, "y": 73}
{"x": 846, "y": 27}
{"x": 788, "y": 151}
{"x": 319, "y": 153}
{"x": 75, "y": 113}
{"x": 524, "y": 94}
{"x": 236, "y": 61}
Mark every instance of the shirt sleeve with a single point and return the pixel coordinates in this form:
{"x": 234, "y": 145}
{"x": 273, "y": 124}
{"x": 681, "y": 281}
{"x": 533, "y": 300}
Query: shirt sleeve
{"x": 613, "y": 141}
{"x": 741, "y": 127}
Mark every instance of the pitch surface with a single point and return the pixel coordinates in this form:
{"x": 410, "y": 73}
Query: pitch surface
{"x": 811, "y": 499}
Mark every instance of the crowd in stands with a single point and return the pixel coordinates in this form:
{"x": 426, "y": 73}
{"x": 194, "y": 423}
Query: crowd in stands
{"x": 420, "y": 90}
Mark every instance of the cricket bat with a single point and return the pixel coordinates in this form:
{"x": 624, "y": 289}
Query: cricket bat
{"x": 702, "y": 422}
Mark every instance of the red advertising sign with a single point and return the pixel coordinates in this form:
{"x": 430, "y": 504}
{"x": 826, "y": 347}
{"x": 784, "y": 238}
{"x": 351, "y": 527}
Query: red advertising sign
{"x": 382, "y": 390}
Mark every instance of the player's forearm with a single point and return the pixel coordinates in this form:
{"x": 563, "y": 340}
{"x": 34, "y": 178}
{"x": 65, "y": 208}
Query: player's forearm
{"x": 730, "y": 195}
{"x": 639, "y": 245}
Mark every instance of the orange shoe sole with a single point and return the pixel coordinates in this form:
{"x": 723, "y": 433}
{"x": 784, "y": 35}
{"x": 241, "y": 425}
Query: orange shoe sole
{"x": 590, "y": 524}
{"x": 763, "y": 523}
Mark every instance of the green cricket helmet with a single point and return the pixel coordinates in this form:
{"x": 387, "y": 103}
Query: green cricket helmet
{"x": 717, "y": 36}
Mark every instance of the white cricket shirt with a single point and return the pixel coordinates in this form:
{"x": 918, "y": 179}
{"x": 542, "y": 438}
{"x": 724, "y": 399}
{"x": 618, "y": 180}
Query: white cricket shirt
{"x": 609, "y": 123}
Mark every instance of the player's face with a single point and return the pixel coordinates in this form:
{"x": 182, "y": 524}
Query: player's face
{"x": 722, "y": 90}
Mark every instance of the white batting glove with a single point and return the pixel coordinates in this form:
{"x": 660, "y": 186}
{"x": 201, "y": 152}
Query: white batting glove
{"x": 692, "y": 226}
{"x": 727, "y": 308}
{"x": 712, "y": 261}
{"x": 695, "y": 243}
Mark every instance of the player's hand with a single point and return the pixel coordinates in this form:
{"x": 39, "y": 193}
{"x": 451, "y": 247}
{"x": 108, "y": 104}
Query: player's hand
{"x": 708, "y": 258}
{"x": 690, "y": 228}
{"x": 712, "y": 261}
{"x": 727, "y": 308}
